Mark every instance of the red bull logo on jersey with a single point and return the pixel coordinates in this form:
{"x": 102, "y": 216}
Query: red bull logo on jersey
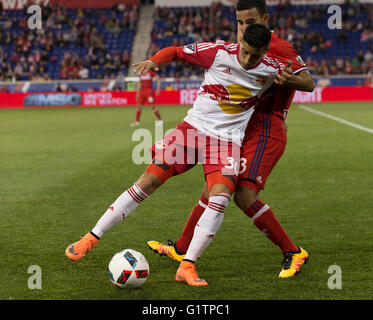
{"x": 161, "y": 144}
{"x": 233, "y": 99}
{"x": 216, "y": 92}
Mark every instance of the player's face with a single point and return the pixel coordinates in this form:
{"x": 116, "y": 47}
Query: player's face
{"x": 250, "y": 56}
{"x": 246, "y": 17}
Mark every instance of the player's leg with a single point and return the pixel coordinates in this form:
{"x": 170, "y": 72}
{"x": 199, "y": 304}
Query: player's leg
{"x": 150, "y": 101}
{"x": 138, "y": 116}
{"x": 159, "y": 171}
{"x": 260, "y": 156}
{"x": 221, "y": 189}
{"x": 263, "y": 217}
{"x": 220, "y": 172}
{"x": 154, "y": 176}
{"x": 155, "y": 109}
{"x": 141, "y": 100}
{"x": 183, "y": 242}
{"x": 176, "y": 250}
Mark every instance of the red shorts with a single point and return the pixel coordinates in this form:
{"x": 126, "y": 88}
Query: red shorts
{"x": 185, "y": 146}
{"x": 146, "y": 96}
{"x": 259, "y": 155}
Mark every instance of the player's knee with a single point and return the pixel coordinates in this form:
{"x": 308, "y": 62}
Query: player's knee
{"x": 219, "y": 188}
{"x": 161, "y": 171}
{"x": 218, "y": 183}
{"x": 149, "y": 183}
{"x": 245, "y": 197}
{"x": 205, "y": 191}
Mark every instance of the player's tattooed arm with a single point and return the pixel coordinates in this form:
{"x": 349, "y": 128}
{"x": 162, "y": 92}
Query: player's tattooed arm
{"x": 303, "y": 81}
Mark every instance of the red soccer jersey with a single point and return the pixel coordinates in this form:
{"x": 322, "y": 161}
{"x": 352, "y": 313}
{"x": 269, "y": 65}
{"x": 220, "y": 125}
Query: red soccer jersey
{"x": 146, "y": 79}
{"x": 277, "y": 99}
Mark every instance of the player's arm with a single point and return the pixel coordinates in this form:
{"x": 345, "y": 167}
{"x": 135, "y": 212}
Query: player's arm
{"x": 201, "y": 54}
{"x": 302, "y": 81}
{"x": 161, "y": 57}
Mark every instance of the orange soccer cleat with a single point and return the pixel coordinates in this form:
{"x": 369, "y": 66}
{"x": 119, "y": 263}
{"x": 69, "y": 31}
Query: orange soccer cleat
{"x": 77, "y": 250}
{"x": 187, "y": 273}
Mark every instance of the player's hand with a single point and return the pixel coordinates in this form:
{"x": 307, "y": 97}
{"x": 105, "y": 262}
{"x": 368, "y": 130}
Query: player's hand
{"x": 286, "y": 74}
{"x": 143, "y": 66}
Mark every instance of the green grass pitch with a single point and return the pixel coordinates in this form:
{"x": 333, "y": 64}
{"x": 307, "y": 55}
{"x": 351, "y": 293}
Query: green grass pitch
{"x": 61, "y": 168}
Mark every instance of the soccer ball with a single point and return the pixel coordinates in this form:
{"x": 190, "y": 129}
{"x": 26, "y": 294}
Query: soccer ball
{"x": 128, "y": 268}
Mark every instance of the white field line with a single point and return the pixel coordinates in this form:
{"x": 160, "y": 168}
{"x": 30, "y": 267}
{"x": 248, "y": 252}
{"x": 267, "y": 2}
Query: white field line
{"x": 348, "y": 123}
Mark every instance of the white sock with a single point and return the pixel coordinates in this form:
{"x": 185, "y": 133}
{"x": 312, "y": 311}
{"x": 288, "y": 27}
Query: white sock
{"x": 120, "y": 209}
{"x": 207, "y": 225}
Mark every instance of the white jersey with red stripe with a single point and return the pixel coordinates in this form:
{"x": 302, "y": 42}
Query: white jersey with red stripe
{"x": 228, "y": 93}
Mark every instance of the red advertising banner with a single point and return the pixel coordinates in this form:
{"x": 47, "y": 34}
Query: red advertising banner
{"x": 167, "y": 97}
{"x": 334, "y": 94}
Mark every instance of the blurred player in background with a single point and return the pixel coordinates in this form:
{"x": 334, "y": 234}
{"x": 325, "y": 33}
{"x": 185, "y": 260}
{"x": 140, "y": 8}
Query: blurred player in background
{"x": 145, "y": 94}
{"x": 263, "y": 146}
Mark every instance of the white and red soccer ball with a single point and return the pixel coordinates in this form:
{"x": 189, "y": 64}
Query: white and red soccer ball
{"x": 128, "y": 269}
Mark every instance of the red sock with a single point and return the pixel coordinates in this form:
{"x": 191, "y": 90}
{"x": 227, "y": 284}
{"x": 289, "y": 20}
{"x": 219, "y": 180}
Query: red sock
{"x": 157, "y": 114}
{"x": 264, "y": 219}
{"x": 183, "y": 242}
{"x": 138, "y": 114}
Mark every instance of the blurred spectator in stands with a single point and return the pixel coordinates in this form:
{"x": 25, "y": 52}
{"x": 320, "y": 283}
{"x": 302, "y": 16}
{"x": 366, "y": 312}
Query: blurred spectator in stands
{"x": 40, "y": 77}
{"x": 360, "y": 56}
{"x": 14, "y": 57}
{"x": 355, "y": 64}
{"x": 63, "y": 71}
{"x": 367, "y": 34}
{"x": 125, "y": 59}
{"x": 94, "y": 62}
{"x": 104, "y": 86}
{"x": 368, "y": 56}
{"x": 348, "y": 67}
{"x": 109, "y": 25}
{"x": 18, "y": 71}
{"x": 340, "y": 64}
{"x": 83, "y": 72}
{"x": 133, "y": 17}
{"x": 369, "y": 80}
{"x": 109, "y": 66}
{"x": 116, "y": 87}
{"x": 36, "y": 57}
{"x": 117, "y": 27}
{"x": 322, "y": 68}
{"x": 60, "y": 87}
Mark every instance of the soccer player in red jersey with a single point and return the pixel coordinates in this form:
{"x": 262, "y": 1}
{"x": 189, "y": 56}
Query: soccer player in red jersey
{"x": 263, "y": 146}
{"x": 212, "y": 132}
{"x": 145, "y": 95}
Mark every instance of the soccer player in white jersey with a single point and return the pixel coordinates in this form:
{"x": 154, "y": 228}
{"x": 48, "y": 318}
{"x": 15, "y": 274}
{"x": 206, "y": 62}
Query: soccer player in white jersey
{"x": 235, "y": 77}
